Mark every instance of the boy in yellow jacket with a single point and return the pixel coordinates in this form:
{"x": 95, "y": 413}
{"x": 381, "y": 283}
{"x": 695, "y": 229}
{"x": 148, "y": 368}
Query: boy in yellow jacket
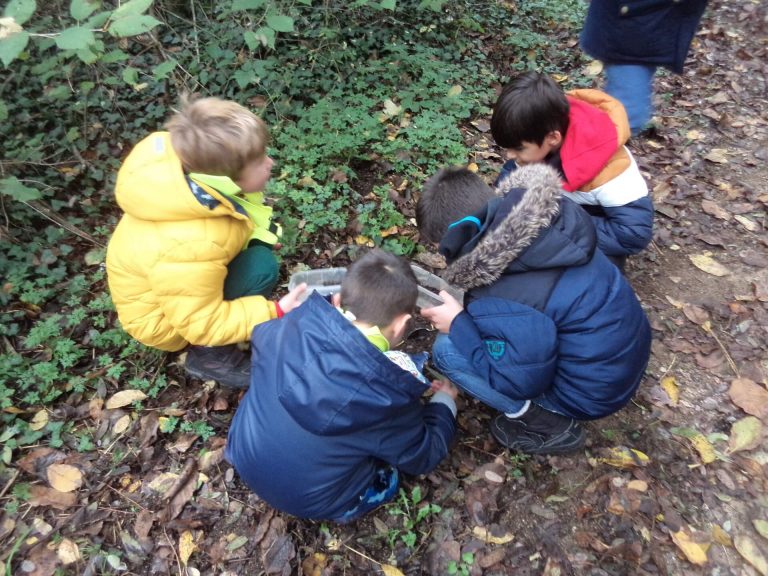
{"x": 191, "y": 261}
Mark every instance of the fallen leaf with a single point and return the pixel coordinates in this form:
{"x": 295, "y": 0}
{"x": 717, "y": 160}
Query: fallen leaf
{"x": 761, "y": 526}
{"x": 64, "y": 477}
{"x": 721, "y": 536}
{"x": 638, "y": 485}
{"x": 45, "y": 496}
{"x": 695, "y": 552}
{"x": 746, "y": 434}
{"x": 391, "y": 109}
{"x": 704, "y": 448}
{"x": 236, "y": 542}
{"x": 714, "y": 209}
{"x": 751, "y": 553}
{"x": 186, "y": 546}
{"x": 68, "y": 552}
{"x": 124, "y": 398}
{"x": 708, "y": 265}
{"x": 669, "y": 384}
{"x": 623, "y": 457}
{"x": 486, "y": 536}
{"x": 748, "y": 223}
{"x": 390, "y": 570}
{"x": 39, "y": 420}
{"x": 122, "y": 424}
{"x": 594, "y": 68}
{"x": 717, "y": 155}
{"x": 750, "y": 397}
{"x": 695, "y": 314}
{"x": 211, "y": 458}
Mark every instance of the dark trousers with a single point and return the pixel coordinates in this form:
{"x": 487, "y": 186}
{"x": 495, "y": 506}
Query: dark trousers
{"x": 253, "y": 272}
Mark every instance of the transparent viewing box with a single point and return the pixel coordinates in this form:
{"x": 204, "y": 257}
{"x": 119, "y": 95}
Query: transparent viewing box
{"x": 327, "y": 281}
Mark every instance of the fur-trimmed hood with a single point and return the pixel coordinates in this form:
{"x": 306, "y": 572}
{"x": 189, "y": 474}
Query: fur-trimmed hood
{"x": 529, "y": 227}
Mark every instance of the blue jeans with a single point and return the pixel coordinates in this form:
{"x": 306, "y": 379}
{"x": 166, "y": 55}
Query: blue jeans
{"x": 632, "y": 85}
{"x": 459, "y": 369}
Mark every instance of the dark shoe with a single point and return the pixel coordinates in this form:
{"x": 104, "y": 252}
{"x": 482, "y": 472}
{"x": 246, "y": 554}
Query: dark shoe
{"x": 538, "y": 431}
{"x": 228, "y": 365}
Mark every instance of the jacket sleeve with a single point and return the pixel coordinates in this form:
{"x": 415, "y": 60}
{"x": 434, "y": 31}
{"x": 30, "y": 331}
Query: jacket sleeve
{"x": 513, "y": 346}
{"x": 188, "y": 281}
{"x": 419, "y": 439}
{"x": 625, "y": 230}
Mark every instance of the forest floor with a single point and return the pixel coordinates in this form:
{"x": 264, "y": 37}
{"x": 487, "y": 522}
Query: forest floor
{"x": 675, "y": 483}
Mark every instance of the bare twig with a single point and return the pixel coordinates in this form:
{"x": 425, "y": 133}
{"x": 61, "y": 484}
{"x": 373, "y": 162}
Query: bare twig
{"x": 43, "y": 210}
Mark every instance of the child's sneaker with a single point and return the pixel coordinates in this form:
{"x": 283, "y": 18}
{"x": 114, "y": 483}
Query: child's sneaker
{"x": 228, "y": 365}
{"x": 538, "y": 431}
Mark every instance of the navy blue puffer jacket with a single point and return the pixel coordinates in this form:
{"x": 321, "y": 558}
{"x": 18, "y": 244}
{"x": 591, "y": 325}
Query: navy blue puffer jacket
{"x": 654, "y": 32}
{"x": 545, "y": 311}
{"x": 326, "y": 408}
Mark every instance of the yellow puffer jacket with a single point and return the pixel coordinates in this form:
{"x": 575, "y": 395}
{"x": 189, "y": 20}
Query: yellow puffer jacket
{"x": 167, "y": 260}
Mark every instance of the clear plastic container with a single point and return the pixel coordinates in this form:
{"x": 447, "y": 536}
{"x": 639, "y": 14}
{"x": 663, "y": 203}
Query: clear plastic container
{"x": 327, "y": 281}
{"x": 324, "y": 281}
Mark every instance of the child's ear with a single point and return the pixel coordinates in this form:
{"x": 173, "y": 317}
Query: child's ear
{"x": 554, "y": 138}
{"x": 336, "y": 299}
{"x": 398, "y": 326}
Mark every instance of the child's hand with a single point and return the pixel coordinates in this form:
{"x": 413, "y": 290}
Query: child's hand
{"x": 442, "y": 316}
{"x": 293, "y": 298}
{"x": 445, "y": 386}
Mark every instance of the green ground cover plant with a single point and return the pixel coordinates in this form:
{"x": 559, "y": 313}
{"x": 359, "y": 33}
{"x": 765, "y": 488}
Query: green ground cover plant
{"x": 365, "y": 99}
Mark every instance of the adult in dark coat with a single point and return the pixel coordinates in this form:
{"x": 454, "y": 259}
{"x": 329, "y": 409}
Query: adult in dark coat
{"x": 633, "y": 38}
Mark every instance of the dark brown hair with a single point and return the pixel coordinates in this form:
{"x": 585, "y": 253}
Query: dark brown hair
{"x": 448, "y": 196}
{"x": 378, "y": 287}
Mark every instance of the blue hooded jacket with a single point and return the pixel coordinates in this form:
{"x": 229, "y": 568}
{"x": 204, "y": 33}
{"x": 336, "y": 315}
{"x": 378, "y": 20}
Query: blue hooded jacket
{"x": 325, "y": 409}
{"x": 545, "y": 311}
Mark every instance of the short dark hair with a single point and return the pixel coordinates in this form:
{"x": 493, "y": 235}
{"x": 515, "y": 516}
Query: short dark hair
{"x": 449, "y": 195}
{"x": 378, "y": 287}
{"x": 531, "y": 106}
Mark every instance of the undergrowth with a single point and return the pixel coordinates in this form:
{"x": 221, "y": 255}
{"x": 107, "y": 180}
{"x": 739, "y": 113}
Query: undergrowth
{"x": 382, "y": 85}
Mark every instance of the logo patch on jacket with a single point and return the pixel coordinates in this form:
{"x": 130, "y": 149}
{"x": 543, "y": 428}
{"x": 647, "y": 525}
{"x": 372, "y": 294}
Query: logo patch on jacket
{"x": 495, "y": 348}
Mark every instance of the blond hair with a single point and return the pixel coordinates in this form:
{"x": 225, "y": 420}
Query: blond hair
{"x": 215, "y": 136}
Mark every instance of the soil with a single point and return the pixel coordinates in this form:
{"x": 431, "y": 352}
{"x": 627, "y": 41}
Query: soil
{"x": 662, "y": 487}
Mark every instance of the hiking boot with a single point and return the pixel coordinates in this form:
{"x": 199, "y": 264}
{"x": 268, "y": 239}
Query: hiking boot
{"x": 228, "y": 365}
{"x": 538, "y": 431}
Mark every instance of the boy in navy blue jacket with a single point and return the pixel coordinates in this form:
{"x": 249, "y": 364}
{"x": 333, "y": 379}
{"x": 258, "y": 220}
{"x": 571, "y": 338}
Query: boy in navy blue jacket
{"x": 329, "y": 419}
{"x": 550, "y": 332}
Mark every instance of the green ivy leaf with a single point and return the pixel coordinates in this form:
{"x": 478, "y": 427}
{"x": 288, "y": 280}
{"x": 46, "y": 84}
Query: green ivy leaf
{"x": 3, "y": 111}
{"x": 132, "y": 25}
{"x": 306, "y": 2}
{"x": 132, "y": 8}
{"x": 131, "y": 75}
{"x": 244, "y": 78}
{"x": 12, "y": 187}
{"x": 20, "y": 10}
{"x": 75, "y": 38}
{"x": 251, "y": 40}
{"x": 246, "y": 5}
{"x": 81, "y": 9}
{"x": 388, "y": 4}
{"x": 266, "y": 36}
{"x": 280, "y": 23}
{"x": 12, "y": 46}
{"x": 162, "y": 70}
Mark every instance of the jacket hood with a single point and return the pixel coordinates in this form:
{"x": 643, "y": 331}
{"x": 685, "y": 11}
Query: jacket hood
{"x": 332, "y": 380}
{"x": 531, "y": 227}
{"x": 597, "y": 128}
{"x": 151, "y": 185}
